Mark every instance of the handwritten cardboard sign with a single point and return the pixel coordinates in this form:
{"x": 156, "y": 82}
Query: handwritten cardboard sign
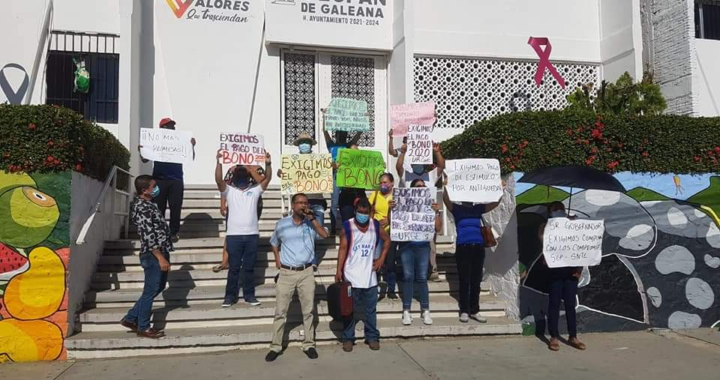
{"x": 404, "y": 115}
{"x": 242, "y": 149}
{"x": 348, "y": 115}
{"x": 474, "y": 180}
{"x": 419, "y": 145}
{"x": 360, "y": 169}
{"x": 413, "y": 218}
{"x": 306, "y": 173}
{"x": 573, "y": 243}
{"x": 166, "y": 145}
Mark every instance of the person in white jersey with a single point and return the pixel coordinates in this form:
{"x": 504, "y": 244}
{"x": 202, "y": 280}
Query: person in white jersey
{"x": 358, "y": 266}
{"x": 243, "y": 233}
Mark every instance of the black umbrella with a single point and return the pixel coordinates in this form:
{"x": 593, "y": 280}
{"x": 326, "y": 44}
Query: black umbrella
{"x": 582, "y": 177}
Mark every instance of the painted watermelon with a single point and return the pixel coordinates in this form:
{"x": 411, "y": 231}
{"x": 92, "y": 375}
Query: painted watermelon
{"x": 11, "y": 263}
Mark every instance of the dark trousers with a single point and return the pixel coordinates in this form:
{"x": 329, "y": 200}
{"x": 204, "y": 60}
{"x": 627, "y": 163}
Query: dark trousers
{"x": 365, "y": 302}
{"x": 564, "y": 289}
{"x": 171, "y": 191}
{"x": 242, "y": 253}
{"x": 470, "y": 259}
{"x": 155, "y": 282}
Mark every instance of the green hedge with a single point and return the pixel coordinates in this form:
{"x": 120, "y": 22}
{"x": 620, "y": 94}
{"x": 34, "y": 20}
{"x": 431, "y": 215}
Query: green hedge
{"x": 54, "y": 139}
{"x": 526, "y": 141}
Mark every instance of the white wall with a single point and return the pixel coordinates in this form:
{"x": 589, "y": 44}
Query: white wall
{"x": 620, "y": 38}
{"x": 84, "y": 258}
{"x": 99, "y": 16}
{"x": 472, "y": 28}
{"x": 708, "y": 57}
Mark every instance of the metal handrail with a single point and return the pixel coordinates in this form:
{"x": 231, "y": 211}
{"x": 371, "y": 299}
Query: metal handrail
{"x": 110, "y": 181}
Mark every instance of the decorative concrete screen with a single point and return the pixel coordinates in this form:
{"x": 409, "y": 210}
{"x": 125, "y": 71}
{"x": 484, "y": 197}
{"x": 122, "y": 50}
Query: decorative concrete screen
{"x": 299, "y": 95}
{"x": 354, "y": 78}
{"x": 469, "y": 90}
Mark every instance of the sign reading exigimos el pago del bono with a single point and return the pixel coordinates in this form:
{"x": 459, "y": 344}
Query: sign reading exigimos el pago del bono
{"x": 339, "y": 23}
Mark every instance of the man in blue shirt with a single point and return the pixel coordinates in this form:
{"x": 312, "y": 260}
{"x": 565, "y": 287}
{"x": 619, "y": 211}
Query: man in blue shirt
{"x": 169, "y": 177}
{"x": 293, "y": 244}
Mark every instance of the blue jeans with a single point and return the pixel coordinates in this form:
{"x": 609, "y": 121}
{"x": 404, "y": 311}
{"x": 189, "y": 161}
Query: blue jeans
{"x": 242, "y": 253}
{"x": 319, "y": 212}
{"x": 415, "y": 262}
{"x": 155, "y": 281}
{"x": 334, "y": 206}
{"x": 363, "y": 300}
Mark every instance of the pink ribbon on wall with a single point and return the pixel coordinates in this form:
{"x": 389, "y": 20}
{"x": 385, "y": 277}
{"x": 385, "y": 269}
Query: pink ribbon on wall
{"x": 537, "y": 44}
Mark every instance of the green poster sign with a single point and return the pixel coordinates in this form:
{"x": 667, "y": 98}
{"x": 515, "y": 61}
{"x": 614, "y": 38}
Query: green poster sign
{"x": 360, "y": 169}
{"x": 348, "y": 115}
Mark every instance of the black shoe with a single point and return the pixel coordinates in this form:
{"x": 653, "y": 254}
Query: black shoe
{"x": 311, "y": 353}
{"x": 392, "y": 295}
{"x": 175, "y": 238}
{"x": 271, "y": 356}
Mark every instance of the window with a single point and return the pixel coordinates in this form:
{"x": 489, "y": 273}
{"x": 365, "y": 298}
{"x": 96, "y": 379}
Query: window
{"x": 707, "y": 20}
{"x": 100, "y": 104}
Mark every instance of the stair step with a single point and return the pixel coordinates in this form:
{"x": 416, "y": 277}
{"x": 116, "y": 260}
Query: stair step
{"x": 174, "y": 296}
{"x": 212, "y": 315}
{"x": 88, "y": 345}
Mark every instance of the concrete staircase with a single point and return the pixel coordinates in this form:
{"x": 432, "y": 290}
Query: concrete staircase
{"x": 189, "y": 309}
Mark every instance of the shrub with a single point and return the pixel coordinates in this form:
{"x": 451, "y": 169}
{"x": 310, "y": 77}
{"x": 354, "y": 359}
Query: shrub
{"x": 529, "y": 140}
{"x": 46, "y": 138}
{"x": 624, "y": 97}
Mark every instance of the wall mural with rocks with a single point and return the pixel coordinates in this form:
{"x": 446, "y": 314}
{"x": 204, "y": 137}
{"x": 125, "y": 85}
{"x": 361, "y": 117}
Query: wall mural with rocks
{"x": 34, "y": 254}
{"x": 661, "y": 253}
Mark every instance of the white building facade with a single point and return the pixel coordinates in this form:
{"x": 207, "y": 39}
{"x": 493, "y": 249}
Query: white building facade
{"x": 269, "y": 66}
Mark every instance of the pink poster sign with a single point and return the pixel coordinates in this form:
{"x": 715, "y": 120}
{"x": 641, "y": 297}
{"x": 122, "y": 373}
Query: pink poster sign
{"x": 403, "y": 115}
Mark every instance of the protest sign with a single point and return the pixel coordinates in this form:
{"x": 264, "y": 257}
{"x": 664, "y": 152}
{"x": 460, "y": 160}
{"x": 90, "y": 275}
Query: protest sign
{"x": 306, "y": 173}
{"x": 348, "y": 115}
{"x": 413, "y": 218}
{"x": 404, "y": 115}
{"x": 419, "y": 145}
{"x": 573, "y": 243}
{"x": 166, "y": 145}
{"x": 474, "y": 180}
{"x": 242, "y": 149}
{"x": 360, "y": 169}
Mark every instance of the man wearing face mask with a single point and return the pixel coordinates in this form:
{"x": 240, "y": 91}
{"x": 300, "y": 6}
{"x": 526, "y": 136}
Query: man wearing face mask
{"x": 169, "y": 177}
{"x": 155, "y": 248}
{"x": 318, "y": 204}
{"x": 243, "y": 234}
{"x": 357, "y": 265}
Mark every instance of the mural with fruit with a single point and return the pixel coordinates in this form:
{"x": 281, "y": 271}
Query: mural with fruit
{"x": 34, "y": 255}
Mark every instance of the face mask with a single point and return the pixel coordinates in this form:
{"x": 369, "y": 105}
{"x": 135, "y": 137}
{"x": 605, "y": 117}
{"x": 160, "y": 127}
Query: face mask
{"x": 155, "y": 192}
{"x": 557, "y": 214}
{"x": 305, "y": 148}
{"x": 384, "y": 189}
{"x": 362, "y": 218}
{"x": 418, "y": 169}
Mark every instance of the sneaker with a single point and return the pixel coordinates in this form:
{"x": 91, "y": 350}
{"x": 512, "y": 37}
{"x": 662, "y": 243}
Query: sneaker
{"x": 228, "y": 303}
{"x": 271, "y": 356}
{"x": 311, "y": 353}
{"x": 464, "y": 317}
{"x": 407, "y": 318}
{"x": 426, "y": 317}
{"x": 374, "y": 345}
{"x": 348, "y": 346}
{"x": 175, "y": 238}
{"x": 253, "y": 302}
{"x": 129, "y": 325}
{"x": 479, "y": 318}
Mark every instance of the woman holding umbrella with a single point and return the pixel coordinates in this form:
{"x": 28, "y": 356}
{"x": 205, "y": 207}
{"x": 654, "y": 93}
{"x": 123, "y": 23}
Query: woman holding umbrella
{"x": 563, "y": 286}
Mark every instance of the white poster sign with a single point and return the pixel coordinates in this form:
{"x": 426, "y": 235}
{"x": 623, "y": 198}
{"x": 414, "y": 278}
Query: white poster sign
{"x": 573, "y": 243}
{"x": 474, "y": 180}
{"x": 419, "y": 145}
{"x": 166, "y": 145}
{"x": 242, "y": 149}
{"x": 413, "y": 218}
{"x": 358, "y": 24}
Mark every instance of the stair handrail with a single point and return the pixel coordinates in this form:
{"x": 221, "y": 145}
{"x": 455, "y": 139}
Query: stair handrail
{"x": 45, "y": 32}
{"x": 110, "y": 181}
